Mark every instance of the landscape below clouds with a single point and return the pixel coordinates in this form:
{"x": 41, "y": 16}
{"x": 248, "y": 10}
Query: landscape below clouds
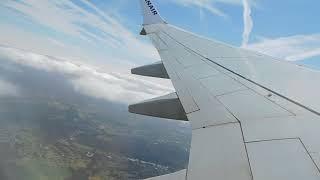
{"x": 65, "y": 120}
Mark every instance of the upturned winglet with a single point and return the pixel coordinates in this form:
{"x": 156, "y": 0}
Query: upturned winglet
{"x": 150, "y": 13}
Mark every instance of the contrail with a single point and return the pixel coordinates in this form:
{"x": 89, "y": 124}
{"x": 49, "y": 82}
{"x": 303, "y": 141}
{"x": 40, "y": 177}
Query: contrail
{"x": 248, "y": 22}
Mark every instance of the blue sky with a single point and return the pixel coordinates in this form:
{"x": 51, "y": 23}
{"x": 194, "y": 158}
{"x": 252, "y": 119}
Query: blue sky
{"x": 105, "y": 33}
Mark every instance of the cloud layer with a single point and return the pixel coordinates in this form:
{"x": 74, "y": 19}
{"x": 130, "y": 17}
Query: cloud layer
{"x": 8, "y": 89}
{"x": 210, "y": 5}
{"x": 86, "y": 79}
{"x": 292, "y": 48}
{"x": 85, "y": 30}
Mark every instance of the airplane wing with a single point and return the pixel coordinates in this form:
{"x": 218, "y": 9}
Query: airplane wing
{"x": 253, "y": 117}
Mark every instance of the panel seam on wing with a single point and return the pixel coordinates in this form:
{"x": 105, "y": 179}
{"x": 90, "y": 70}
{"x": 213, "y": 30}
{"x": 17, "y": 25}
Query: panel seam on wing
{"x": 249, "y": 80}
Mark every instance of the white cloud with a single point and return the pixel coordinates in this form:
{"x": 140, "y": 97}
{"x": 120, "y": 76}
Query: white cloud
{"x": 292, "y": 48}
{"x": 97, "y": 29}
{"x": 86, "y": 23}
{"x": 203, "y": 4}
{"x": 87, "y": 80}
{"x": 68, "y": 18}
{"x": 58, "y": 43}
{"x": 209, "y": 5}
{"x": 248, "y": 23}
{"x": 8, "y": 89}
{"x": 304, "y": 55}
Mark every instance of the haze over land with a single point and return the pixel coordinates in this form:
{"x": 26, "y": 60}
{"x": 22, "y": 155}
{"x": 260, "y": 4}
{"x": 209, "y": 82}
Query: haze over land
{"x": 54, "y": 127}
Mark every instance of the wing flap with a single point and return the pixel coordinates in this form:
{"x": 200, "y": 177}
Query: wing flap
{"x": 305, "y": 128}
{"x": 281, "y": 159}
{"x": 218, "y": 153}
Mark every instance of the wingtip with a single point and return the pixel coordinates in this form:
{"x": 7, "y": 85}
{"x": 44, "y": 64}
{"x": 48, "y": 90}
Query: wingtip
{"x": 150, "y": 13}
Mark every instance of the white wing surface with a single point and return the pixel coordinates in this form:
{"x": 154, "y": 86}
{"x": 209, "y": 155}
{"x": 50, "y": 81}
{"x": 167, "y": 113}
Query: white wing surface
{"x": 253, "y": 117}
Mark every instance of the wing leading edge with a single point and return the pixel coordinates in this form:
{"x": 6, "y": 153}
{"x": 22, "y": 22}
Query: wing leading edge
{"x": 252, "y": 116}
